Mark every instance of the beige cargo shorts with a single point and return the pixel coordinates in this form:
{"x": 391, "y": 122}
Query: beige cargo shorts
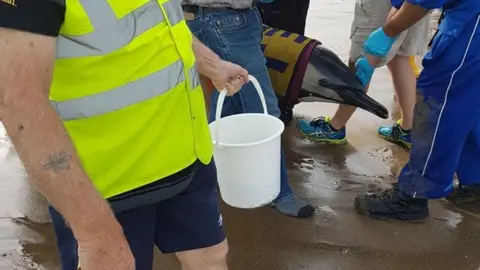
{"x": 370, "y": 15}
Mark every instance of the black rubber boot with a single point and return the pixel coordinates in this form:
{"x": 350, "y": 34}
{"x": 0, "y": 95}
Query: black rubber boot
{"x": 391, "y": 204}
{"x": 465, "y": 194}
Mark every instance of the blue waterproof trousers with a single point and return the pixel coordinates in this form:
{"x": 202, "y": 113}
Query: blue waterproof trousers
{"x": 446, "y": 129}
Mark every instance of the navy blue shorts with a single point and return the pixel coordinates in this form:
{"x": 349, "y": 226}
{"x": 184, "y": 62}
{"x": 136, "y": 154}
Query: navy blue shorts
{"x": 189, "y": 220}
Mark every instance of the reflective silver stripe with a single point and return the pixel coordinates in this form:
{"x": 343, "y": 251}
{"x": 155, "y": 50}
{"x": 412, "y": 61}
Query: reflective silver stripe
{"x": 174, "y": 11}
{"x": 135, "y": 92}
{"x": 99, "y": 12}
{"x": 110, "y": 33}
{"x": 193, "y": 76}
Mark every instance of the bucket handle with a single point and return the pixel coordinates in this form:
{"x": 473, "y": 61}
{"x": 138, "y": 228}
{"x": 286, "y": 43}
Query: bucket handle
{"x": 221, "y": 99}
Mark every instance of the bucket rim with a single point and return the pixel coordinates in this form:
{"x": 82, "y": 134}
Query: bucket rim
{"x": 243, "y": 145}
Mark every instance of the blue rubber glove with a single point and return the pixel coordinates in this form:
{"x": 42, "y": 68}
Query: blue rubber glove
{"x": 364, "y": 71}
{"x": 378, "y": 43}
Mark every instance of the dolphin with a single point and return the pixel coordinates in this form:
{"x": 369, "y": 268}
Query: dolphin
{"x": 318, "y": 74}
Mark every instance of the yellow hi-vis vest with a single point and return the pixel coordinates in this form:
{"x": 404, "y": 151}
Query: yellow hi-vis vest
{"x": 127, "y": 90}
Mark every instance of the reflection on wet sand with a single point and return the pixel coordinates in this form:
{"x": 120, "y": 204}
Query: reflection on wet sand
{"x": 328, "y": 176}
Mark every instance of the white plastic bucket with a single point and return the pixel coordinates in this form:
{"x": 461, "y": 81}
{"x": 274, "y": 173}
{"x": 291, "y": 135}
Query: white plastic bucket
{"x": 247, "y": 154}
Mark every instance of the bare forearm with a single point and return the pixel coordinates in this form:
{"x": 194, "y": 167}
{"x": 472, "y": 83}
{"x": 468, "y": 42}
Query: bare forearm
{"x": 38, "y": 134}
{"x": 206, "y": 59}
{"x": 52, "y": 163}
{"x": 392, "y": 12}
{"x": 222, "y": 74}
{"x": 406, "y": 16}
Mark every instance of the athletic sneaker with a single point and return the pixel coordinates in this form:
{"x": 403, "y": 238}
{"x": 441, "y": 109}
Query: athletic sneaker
{"x": 396, "y": 134}
{"x": 319, "y": 130}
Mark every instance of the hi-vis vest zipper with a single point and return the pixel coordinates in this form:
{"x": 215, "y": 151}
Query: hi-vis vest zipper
{"x": 127, "y": 90}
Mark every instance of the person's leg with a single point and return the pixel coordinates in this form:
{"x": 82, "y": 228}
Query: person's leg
{"x": 468, "y": 174}
{"x": 211, "y": 258}
{"x": 404, "y": 81}
{"x": 235, "y": 36}
{"x": 369, "y": 15}
{"x": 438, "y": 136}
{"x": 288, "y": 15}
{"x": 286, "y": 202}
{"x": 190, "y": 224}
{"x": 444, "y": 117}
{"x": 405, "y": 86}
{"x": 300, "y": 20}
{"x": 137, "y": 224}
{"x": 139, "y": 228}
{"x": 277, "y": 14}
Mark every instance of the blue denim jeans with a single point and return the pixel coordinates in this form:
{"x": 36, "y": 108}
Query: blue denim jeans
{"x": 235, "y": 35}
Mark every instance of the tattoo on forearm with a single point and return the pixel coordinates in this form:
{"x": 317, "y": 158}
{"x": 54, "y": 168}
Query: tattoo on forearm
{"x": 58, "y": 162}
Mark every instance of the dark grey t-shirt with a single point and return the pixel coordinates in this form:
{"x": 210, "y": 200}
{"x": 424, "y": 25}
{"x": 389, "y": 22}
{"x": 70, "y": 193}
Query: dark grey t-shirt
{"x": 43, "y": 17}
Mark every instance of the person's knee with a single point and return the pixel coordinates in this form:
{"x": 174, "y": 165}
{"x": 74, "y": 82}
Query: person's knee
{"x": 210, "y": 258}
{"x": 399, "y": 60}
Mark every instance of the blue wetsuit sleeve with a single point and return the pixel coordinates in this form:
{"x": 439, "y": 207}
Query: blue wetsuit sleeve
{"x": 428, "y": 4}
{"x": 397, "y": 3}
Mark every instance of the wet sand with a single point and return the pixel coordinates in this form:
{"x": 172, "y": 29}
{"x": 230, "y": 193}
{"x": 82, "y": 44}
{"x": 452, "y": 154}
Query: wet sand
{"x": 328, "y": 176}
